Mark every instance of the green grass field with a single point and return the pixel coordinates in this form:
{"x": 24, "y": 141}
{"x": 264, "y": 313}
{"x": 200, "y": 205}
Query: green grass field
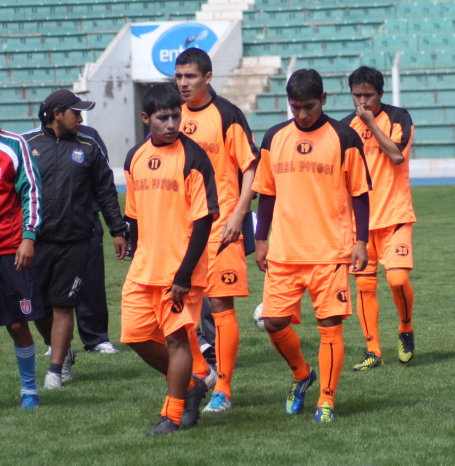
{"x": 390, "y": 416}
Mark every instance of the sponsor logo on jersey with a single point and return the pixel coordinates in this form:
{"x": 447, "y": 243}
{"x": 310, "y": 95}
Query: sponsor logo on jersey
{"x": 302, "y": 166}
{"x": 402, "y": 250}
{"x": 78, "y": 156}
{"x": 212, "y": 147}
{"x": 26, "y": 306}
{"x": 35, "y": 153}
{"x": 154, "y": 162}
{"x": 177, "y": 308}
{"x": 144, "y": 184}
{"x": 342, "y": 295}
{"x": 190, "y": 127}
{"x": 305, "y": 146}
{"x": 229, "y": 277}
{"x": 367, "y": 134}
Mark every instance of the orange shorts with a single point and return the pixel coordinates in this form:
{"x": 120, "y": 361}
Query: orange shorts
{"x": 227, "y": 275}
{"x": 391, "y": 247}
{"x": 148, "y": 313}
{"x": 328, "y": 285}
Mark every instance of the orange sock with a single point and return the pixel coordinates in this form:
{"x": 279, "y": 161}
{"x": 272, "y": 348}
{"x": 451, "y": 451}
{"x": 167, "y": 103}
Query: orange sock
{"x": 368, "y": 311}
{"x": 287, "y": 343}
{"x": 331, "y": 358}
{"x": 403, "y": 295}
{"x": 200, "y": 365}
{"x": 226, "y": 347}
{"x": 173, "y": 409}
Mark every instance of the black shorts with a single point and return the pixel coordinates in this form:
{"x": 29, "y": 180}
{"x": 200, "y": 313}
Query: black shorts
{"x": 20, "y": 299}
{"x": 59, "y": 270}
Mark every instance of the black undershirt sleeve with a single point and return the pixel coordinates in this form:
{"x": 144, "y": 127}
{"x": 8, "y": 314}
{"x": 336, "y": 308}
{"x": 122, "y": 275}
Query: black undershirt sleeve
{"x": 196, "y": 246}
{"x": 130, "y": 235}
{"x": 361, "y": 206}
{"x": 266, "y": 205}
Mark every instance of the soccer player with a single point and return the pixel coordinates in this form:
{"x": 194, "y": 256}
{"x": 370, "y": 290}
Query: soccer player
{"x": 171, "y": 200}
{"x": 311, "y": 176}
{"x": 20, "y": 217}
{"x": 74, "y": 173}
{"x": 387, "y": 133}
{"x": 221, "y": 129}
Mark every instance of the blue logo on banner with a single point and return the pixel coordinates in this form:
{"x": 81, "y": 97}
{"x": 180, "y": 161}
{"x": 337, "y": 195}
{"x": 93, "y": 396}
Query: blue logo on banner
{"x": 176, "y": 40}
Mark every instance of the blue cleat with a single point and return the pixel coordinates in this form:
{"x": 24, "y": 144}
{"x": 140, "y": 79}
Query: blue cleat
{"x": 324, "y": 413}
{"x": 296, "y": 396}
{"x": 218, "y": 402}
{"x": 29, "y": 401}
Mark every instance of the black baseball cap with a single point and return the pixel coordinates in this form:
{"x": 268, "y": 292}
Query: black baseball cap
{"x": 63, "y": 98}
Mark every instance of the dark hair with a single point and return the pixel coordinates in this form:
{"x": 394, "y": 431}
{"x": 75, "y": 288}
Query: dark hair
{"x": 161, "y": 96}
{"x": 366, "y": 74}
{"x": 305, "y": 84}
{"x": 195, "y": 56}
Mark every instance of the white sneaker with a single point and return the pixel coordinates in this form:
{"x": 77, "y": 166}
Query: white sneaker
{"x": 210, "y": 380}
{"x": 105, "y": 348}
{"x": 70, "y": 359}
{"x": 48, "y": 352}
{"x": 52, "y": 381}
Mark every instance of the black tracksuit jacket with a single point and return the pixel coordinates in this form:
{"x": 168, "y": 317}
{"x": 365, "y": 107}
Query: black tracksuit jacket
{"x": 74, "y": 173}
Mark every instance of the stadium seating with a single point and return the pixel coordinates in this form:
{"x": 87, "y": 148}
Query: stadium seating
{"x": 335, "y": 37}
{"x": 45, "y": 45}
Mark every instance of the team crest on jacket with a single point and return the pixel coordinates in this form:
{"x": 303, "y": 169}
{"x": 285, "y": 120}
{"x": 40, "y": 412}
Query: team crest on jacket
{"x": 342, "y": 295}
{"x": 190, "y": 127}
{"x": 154, "y": 162}
{"x": 78, "y": 156}
{"x": 229, "y": 277}
{"x": 26, "y": 306}
{"x": 304, "y": 146}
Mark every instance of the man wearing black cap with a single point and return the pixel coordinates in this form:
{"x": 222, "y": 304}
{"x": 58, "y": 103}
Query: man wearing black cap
{"x": 74, "y": 174}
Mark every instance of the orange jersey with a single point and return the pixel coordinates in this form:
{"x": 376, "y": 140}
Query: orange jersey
{"x": 390, "y": 200}
{"x": 168, "y": 188}
{"x": 221, "y": 129}
{"x": 313, "y": 174}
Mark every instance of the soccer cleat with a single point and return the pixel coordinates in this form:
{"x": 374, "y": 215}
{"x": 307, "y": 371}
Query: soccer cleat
{"x": 211, "y": 378}
{"x": 324, "y": 413}
{"x": 296, "y": 396}
{"x": 192, "y": 403}
{"x": 52, "y": 381}
{"x": 163, "y": 426}
{"x": 405, "y": 346}
{"x": 218, "y": 402}
{"x": 104, "y": 348}
{"x": 70, "y": 359}
{"x": 369, "y": 361}
{"x": 29, "y": 401}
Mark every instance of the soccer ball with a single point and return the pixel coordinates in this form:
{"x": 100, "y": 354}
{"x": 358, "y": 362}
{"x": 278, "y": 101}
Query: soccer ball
{"x": 257, "y": 316}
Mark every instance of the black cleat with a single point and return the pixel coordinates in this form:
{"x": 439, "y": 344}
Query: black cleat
{"x": 192, "y": 402}
{"x": 163, "y": 426}
{"x": 405, "y": 347}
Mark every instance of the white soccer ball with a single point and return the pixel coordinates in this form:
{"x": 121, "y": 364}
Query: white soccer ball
{"x": 257, "y": 316}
